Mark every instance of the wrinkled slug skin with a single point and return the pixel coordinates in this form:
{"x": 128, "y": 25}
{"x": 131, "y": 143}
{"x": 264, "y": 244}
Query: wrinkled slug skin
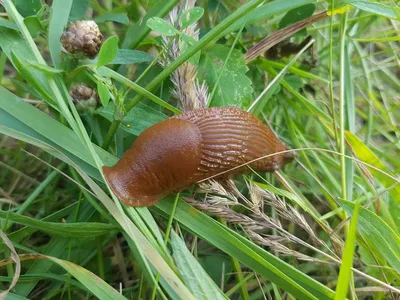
{"x": 173, "y": 154}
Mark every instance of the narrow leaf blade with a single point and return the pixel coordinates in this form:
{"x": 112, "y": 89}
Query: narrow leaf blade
{"x": 59, "y": 18}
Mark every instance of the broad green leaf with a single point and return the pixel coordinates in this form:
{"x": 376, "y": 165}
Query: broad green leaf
{"x": 193, "y": 274}
{"x": 82, "y": 230}
{"x": 378, "y": 233}
{"x": 127, "y": 56}
{"x": 118, "y": 18}
{"x": 59, "y": 17}
{"x": 161, "y": 26}
{"x": 103, "y": 92}
{"x": 376, "y": 8}
{"x": 234, "y": 87}
{"x": 108, "y": 51}
{"x": 28, "y": 8}
{"x": 370, "y": 259}
{"x": 137, "y": 120}
{"x": 78, "y": 10}
{"x": 366, "y": 155}
{"x": 191, "y": 16}
{"x": 347, "y": 258}
{"x": 34, "y": 25}
{"x": 297, "y": 14}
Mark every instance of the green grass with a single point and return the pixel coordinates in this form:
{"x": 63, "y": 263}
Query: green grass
{"x": 329, "y": 225}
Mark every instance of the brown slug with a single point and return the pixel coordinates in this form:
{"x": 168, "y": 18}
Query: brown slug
{"x": 184, "y": 149}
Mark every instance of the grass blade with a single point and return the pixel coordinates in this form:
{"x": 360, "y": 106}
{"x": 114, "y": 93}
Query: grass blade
{"x": 59, "y": 18}
{"x": 347, "y": 258}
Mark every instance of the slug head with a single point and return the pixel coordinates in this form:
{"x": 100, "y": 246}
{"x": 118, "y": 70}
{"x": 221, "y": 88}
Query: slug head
{"x": 162, "y": 160}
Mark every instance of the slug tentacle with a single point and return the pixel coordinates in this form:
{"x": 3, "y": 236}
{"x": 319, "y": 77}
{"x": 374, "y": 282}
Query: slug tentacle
{"x": 173, "y": 154}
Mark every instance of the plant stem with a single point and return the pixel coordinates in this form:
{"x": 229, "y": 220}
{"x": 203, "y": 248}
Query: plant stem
{"x": 331, "y": 94}
{"x": 110, "y": 134}
{"x": 342, "y": 107}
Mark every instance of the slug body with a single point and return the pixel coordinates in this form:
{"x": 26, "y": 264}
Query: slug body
{"x": 175, "y": 153}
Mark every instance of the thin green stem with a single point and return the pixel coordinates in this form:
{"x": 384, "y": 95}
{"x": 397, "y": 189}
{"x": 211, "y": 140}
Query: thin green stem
{"x": 206, "y": 14}
{"x": 155, "y": 60}
{"x": 110, "y": 134}
{"x": 171, "y": 219}
{"x": 239, "y": 274}
{"x": 331, "y": 94}
{"x": 100, "y": 259}
{"x": 342, "y": 106}
{"x": 3, "y": 59}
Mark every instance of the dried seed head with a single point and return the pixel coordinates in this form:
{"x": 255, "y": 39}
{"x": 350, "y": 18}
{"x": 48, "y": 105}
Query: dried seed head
{"x": 82, "y": 38}
{"x": 84, "y": 97}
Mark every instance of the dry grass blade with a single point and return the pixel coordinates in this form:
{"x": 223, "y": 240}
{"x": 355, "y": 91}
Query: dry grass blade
{"x": 251, "y": 225}
{"x": 15, "y": 258}
{"x": 280, "y": 35}
{"x": 284, "y": 210}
